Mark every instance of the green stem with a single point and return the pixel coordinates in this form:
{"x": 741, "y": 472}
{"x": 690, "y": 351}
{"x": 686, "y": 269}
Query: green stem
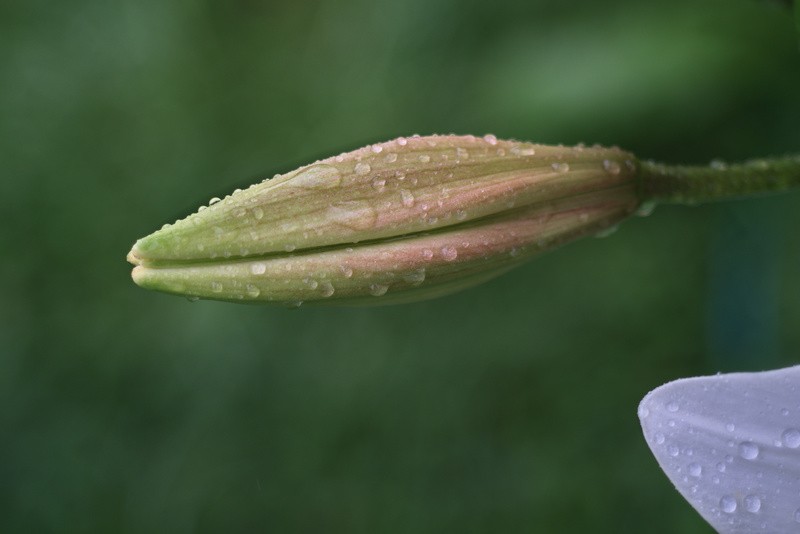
{"x": 718, "y": 181}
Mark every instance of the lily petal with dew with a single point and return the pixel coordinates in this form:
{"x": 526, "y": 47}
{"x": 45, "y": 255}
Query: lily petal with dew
{"x": 731, "y": 446}
{"x": 404, "y": 220}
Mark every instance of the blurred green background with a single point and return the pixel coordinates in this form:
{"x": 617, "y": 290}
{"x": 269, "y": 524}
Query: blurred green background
{"x": 507, "y": 408}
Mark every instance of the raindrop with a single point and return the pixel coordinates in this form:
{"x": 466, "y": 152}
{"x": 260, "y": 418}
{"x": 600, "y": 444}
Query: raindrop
{"x": 415, "y": 277}
{"x": 449, "y": 253}
{"x": 491, "y": 139}
{"x": 727, "y": 504}
{"x": 402, "y": 141}
{"x": 326, "y": 288}
{"x": 695, "y": 469}
{"x": 318, "y": 177}
{"x": 353, "y": 214}
{"x": 214, "y": 200}
{"x": 391, "y": 157}
{"x": 253, "y": 291}
{"x": 408, "y": 198}
{"x": 362, "y": 168}
{"x": 377, "y": 149}
{"x": 611, "y": 166}
{"x": 377, "y": 290}
{"x": 560, "y": 167}
{"x": 791, "y": 438}
{"x": 258, "y": 268}
{"x": 748, "y": 450}
{"x": 645, "y": 209}
{"x": 192, "y": 298}
{"x": 752, "y": 504}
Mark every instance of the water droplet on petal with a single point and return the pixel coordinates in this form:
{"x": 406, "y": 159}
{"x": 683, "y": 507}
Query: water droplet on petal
{"x": 748, "y": 450}
{"x": 791, "y": 438}
{"x": 752, "y": 504}
{"x": 695, "y": 469}
{"x": 727, "y": 504}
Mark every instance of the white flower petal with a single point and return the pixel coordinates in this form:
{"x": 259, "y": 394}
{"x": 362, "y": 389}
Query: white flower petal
{"x": 731, "y": 446}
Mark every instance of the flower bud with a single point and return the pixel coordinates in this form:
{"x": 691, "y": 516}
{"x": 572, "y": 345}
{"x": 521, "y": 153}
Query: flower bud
{"x": 404, "y": 220}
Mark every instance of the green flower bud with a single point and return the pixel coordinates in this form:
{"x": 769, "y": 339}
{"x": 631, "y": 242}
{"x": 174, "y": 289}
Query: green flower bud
{"x": 400, "y": 221}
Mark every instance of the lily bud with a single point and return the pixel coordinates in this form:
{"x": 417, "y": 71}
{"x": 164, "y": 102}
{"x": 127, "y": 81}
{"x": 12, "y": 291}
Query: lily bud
{"x": 400, "y": 221}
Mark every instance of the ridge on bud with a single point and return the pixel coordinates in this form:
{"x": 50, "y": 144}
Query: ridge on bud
{"x": 405, "y": 220}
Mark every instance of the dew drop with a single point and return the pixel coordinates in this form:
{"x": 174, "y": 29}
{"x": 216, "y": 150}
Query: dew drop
{"x": 346, "y": 271}
{"x": 391, "y": 157}
{"x": 216, "y": 287}
{"x": 253, "y": 291}
{"x": 402, "y": 141}
{"x": 258, "y": 268}
{"x": 377, "y": 290}
{"x": 326, "y": 288}
{"x": 752, "y": 504}
{"x": 213, "y": 201}
{"x": 659, "y": 438}
{"x": 289, "y": 247}
{"x": 362, "y": 168}
{"x": 645, "y": 209}
{"x": 415, "y": 277}
{"x": 748, "y": 450}
{"x": 560, "y": 167}
{"x": 672, "y": 406}
{"x": 377, "y": 149}
{"x": 449, "y": 253}
{"x": 673, "y": 450}
{"x": 427, "y": 254}
{"x": 791, "y": 438}
{"x": 424, "y": 158}
{"x": 353, "y": 214}
{"x": 727, "y": 504}
{"x": 258, "y": 213}
{"x": 408, "y": 198}
{"x": 695, "y": 469}
{"x": 611, "y": 166}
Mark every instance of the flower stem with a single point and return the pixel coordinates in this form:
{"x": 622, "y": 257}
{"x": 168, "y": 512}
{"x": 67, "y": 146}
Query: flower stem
{"x": 718, "y": 181}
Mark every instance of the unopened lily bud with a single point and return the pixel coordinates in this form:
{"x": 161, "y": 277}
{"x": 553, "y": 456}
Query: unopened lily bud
{"x": 400, "y": 221}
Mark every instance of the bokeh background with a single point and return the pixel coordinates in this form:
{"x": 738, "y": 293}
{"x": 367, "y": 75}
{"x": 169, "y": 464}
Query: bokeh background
{"x": 507, "y": 408}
